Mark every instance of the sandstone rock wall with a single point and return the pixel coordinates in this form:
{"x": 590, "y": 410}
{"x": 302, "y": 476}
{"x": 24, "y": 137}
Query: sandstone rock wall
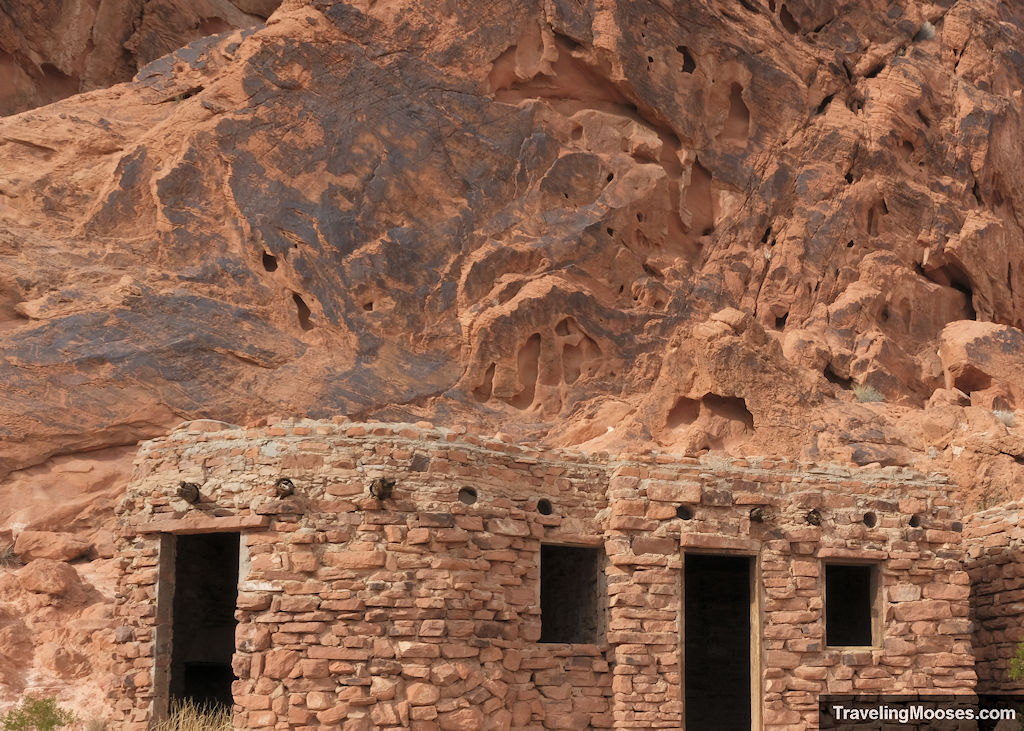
{"x": 995, "y": 560}
{"x": 421, "y": 610}
{"x": 53, "y": 50}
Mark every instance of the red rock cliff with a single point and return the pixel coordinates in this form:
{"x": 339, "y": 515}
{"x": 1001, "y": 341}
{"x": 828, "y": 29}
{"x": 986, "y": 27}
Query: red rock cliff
{"x": 784, "y": 228}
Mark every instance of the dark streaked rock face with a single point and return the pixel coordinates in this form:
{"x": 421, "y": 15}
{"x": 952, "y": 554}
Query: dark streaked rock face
{"x": 550, "y": 222}
{"x": 52, "y": 50}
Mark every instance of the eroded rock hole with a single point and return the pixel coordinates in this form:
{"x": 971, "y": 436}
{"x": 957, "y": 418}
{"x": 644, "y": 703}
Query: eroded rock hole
{"x": 482, "y": 392}
{"x": 731, "y": 408}
{"x": 212, "y": 26}
{"x": 575, "y": 356}
{"x": 832, "y": 377}
{"x": 528, "y": 362}
{"x": 698, "y": 200}
{"x": 874, "y": 214}
{"x": 611, "y": 177}
{"x": 824, "y": 104}
{"x": 780, "y": 321}
{"x": 368, "y": 306}
{"x": 683, "y": 413}
{"x": 688, "y": 63}
{"x": 972, "y": 379}
{"x": 269, "y": 262}
{"x": 303, "y": 312}
{"x": 788, "y": 21}
{"x": 875, "y": 70}
{"x": 652, "y": 271}
{"x": 952, "y": 275}
{"x": 767, "y": 233}
{"x": 737, "y": 124}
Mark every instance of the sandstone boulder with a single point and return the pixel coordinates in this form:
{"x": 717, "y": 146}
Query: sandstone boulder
{"x": 986, "y": 361}
{"x": 32, "y": 544}
{"x": 47, "y": 576}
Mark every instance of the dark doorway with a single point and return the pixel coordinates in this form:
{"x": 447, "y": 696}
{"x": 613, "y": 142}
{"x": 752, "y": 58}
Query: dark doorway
{"x": 717, "y": 642}
{"x": 203, "y": 634}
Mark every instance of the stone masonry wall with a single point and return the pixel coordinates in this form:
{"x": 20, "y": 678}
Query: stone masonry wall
{"x": 995, "y": 561}
{"x": 421, "y": 611}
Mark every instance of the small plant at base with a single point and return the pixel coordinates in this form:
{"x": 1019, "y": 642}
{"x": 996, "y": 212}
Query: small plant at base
{"x": 187, "y": 715}
{"x": 8, "y": 558}
{"x": 38, "y": 713}
{"x": 867, "y": 394}
{"x": 1006, "y": 417}
{"x": 1016, "y": 670}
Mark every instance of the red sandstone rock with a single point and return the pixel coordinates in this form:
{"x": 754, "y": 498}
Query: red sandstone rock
{"x": 49, "y": 51}
{"x": 46, "y": 576}
{"x": 45, "y": 544}
{"x": 817, "y": 261}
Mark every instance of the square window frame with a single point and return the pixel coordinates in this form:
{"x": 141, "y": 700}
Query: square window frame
{"x": 875, "y": 590}
{"x": 602, "y": 600}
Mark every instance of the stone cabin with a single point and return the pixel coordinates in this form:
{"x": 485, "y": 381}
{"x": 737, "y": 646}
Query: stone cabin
{"x": 334, "y": 575}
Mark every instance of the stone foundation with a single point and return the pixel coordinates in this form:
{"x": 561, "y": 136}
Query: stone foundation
{"x": 421, "y": 610}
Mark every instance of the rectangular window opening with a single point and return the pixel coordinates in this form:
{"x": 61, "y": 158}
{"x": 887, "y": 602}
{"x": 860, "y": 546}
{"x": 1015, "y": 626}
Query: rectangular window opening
{"x": 850, "y": 605}
{"x": 571, "y": 590}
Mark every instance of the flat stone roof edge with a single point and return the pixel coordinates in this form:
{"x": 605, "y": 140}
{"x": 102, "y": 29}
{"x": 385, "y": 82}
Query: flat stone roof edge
{"x": 299, "y": 429}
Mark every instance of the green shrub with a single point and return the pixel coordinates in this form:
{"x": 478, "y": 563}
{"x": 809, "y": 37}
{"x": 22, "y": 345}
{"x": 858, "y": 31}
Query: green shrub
{"x": 1017, "y": 663}
{"x": 36, "y": 712}
{"x": 187, "y": 715}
